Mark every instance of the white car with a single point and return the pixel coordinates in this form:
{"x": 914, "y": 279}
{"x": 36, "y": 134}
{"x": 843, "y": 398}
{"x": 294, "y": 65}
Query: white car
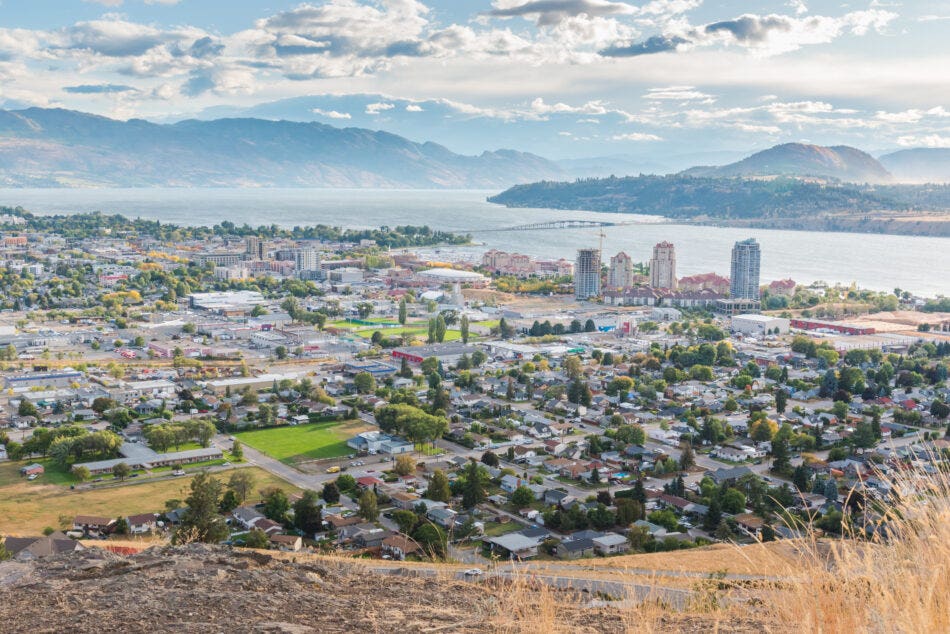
{"x": 32, "y": 476}
{"x": 473, "y": 572}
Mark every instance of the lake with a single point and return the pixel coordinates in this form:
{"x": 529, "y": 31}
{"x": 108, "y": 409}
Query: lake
{"x": 882, "y": 262}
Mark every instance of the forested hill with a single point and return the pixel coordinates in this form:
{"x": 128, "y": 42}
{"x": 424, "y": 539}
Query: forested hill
{"x": 690, "y": 197}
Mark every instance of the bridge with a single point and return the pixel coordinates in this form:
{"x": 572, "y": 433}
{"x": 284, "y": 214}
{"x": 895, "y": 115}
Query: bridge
{"x": 554, "y": 224}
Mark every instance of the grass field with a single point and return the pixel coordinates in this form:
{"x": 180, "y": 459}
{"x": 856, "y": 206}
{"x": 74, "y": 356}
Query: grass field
{"x": 304, "y": 442}
{"x": 29, "y": 507}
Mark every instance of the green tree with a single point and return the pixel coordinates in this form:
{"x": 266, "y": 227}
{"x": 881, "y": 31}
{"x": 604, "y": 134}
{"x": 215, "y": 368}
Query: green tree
{"x": 229, "y": 501}
{"x": 121, "y": 471}
{"x": 733, "y": 501}
{"x": 82, "y": 473}
{"x": 463, "y": 328}
{"x": 781, "y": 400}
{"x": 364, "y": 382}
{"x": 432, "y": 539}
{"x": 330, "y": 493}
{"x": 404, "y": 465}
{"x": 276, "y": 505}
{"x": 241, "y": 482}
{"x": 438, "y": 489}
{"x": 403, "y": 311}
{"x": 440, "y": 328}
{"x": 369, "y": 509}
{"x": 522, "y": 497}
{"x": 474, "y": 484}
{"x": 687, "y": 457}
{"x": 257, "y": 539}
{"x": 201, "y": 521}
{"x": 307, "y": 514}
{"x": 237, "y": 451}
{"x": 405, "y": 520}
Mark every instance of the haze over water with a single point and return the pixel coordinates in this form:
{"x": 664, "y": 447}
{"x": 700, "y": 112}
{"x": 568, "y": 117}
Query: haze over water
{"x": 881, "y": 262}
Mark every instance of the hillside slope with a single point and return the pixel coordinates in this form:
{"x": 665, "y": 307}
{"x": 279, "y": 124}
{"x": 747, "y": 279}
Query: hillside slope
{"x": 52, "y": 147}
{"x": 798, "y": 159}
{"x": 919, "y": 165}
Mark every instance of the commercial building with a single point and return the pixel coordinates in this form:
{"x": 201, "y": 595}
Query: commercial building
{"x": 620, "y": 274}
{"x": 663, "y": 266}
{"x": 452, "y": 276}
{"x": 745, "y": 270}
{"x": 587, "y": 274}
{"x": 255, "y": 249}
{"x": 447, "y": 353}
{"x": 751, "y": 324}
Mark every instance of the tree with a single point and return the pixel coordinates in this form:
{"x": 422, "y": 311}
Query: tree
{"x": 257, "y": 539}
{"x": 307, "y": 514}
{"x": 405, "y": 520}
{"x": 121, "y": 471}
{"x": 26, "y": 408}
{"x": 438, "y": 489}
{"x": 801, "y": 478}
{"x": 474, "y": 484}
{"x": 762, "y": 430}
{"x": 687, "y": 457}
{"x": 237, "y": 451}
{"x": 780, "y": 458}
{"x": 733, "y": 501}
{"x": 831, "y": 489}
{"x": 440, "y": 328}
{"x": 522, "y": 497}
{"x": 431, "y": 538}
{"x": 276, "y": 505}
{"x": 489, "y": 458}
{"x": 404, "y": 464}
{"x": 368, "y": 506}
{"x": 713, "y": 514}
{"x": 463, "y": 328}
{"x": 781, "y": 400}
{"x": 939, "y": 409}
{"x": 330, "y": 493}
{"x": 364, "y": 382}
{"x": 229, "y": 501}
{"x": 201, "y": 521}
{"x": 589, "y": 326}
{"x": 242, "y": 483}
{"x": 403, "y": 312}
{"x": 829, "y": 383}
{"x": 573, "y": 367}
{"x": 82, "y": 473}
{"x": 121, "y": 526}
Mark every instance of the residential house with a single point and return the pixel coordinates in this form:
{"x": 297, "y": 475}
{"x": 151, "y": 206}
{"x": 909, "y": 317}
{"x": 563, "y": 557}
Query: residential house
{"x": 611, "y": 544}
{"x": 92, "y": 524}
{"x": 398, "y": 546}
{"x": 143, "y": 523}
{"x": 291, "y": 543}
{"x": 27, "y": 548}
{"x": 576, "y": 548}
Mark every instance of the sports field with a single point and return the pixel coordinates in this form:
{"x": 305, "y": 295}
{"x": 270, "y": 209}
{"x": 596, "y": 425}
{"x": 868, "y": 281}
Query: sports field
{"x": 299, "y": 443}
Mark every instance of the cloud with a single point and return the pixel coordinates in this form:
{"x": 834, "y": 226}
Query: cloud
{"x": 930, "y": 140}
{"x": 92, "y": 89}
{"x": 331, "y": 114}
{"x": 650, "y": 46}
{"x": 636, "y": 136}
{"x": 552, "y": 12}
{"x": 678, "y": 93}
{"x": 413, "y": 108}
{"x": 376, "y": 108}
{"x": 764, "y": 35}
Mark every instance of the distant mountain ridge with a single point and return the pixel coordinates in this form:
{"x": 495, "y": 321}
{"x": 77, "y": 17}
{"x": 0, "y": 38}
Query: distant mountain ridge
{"x": 56, "y": 148}
{"x": 840, "y": 162}
{"x": 919, "y": 165}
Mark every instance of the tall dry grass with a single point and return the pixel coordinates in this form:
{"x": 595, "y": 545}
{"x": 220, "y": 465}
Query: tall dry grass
{"x": 893, "y": 578}
{"x": 898, "y": 580}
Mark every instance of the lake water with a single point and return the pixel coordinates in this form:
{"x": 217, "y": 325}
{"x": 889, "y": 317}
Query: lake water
{"x": 881, "y": 262}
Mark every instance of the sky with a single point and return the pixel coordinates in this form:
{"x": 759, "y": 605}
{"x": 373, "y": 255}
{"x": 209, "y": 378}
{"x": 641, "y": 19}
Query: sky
{"x": 650, "y": 79}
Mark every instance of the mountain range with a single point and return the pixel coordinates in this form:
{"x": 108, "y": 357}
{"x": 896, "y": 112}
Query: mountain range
{"x": 63, "y": 148}
{"x": 56, "y": 148}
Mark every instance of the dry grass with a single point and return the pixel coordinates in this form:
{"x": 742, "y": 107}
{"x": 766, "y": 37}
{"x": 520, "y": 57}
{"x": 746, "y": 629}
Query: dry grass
{"x": 27, "y": 509}
{"x": 896, "y": 584}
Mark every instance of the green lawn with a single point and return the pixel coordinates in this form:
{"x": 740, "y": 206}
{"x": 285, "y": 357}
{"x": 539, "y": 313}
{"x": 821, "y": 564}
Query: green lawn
{"x": 293, "y": 444}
